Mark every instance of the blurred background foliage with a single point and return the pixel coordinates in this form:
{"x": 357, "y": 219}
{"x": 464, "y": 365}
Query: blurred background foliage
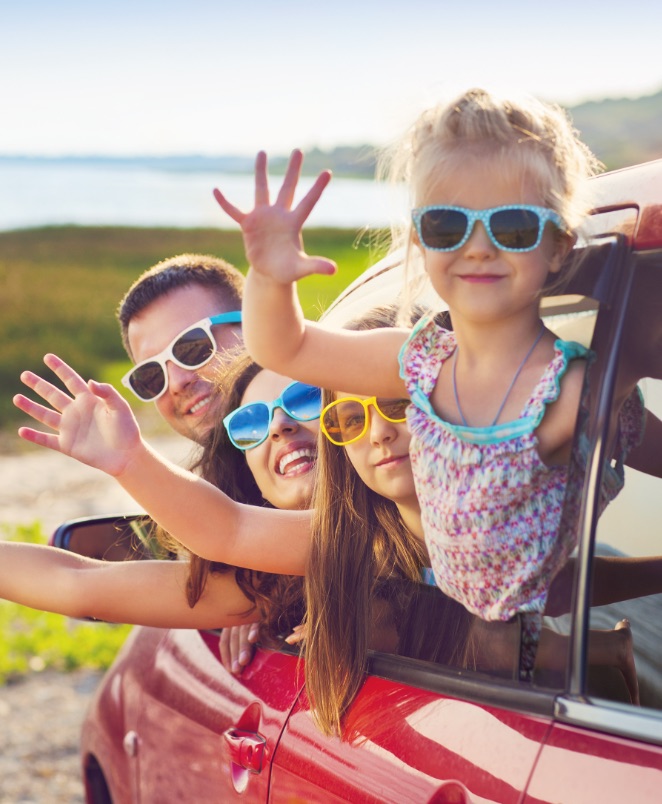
{"x": 60, "y": 286}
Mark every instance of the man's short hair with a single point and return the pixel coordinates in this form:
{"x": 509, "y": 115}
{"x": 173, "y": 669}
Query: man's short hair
{"x": 181, "y": 271}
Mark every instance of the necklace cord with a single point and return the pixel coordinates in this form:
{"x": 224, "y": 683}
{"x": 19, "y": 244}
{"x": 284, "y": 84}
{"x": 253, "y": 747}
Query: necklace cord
{"x": 510, "y": 387}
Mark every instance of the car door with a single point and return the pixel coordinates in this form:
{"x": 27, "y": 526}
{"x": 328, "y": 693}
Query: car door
{"x": 168, "y": 722}
{"x": 204, "y": 734}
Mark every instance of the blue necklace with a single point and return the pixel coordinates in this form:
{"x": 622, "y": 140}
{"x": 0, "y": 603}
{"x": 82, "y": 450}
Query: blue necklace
{"x": 510, "y": 387}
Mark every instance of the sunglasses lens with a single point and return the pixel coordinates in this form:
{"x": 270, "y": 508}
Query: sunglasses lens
{"x": 345, "y": 421}
{"x": 517, "y": 229}
{"x": 147, "y": 381}
{"x": 393, "y": 409}
{"x": 302, "y": 402}
{"x": 194, "y": 348}
{"x": 249, "y": 425}
{"x": 442, "y": 228}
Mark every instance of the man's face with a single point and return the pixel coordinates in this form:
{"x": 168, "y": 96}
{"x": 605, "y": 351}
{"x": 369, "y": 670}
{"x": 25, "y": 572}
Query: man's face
{"x": 186, "y": 403}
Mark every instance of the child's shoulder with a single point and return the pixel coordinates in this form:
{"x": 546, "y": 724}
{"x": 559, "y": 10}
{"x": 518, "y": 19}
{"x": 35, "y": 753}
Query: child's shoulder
{"x": 426, "y": 348}
{"x": 557, "y": 427}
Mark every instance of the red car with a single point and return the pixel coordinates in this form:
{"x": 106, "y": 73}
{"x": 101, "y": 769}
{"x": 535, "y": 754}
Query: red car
{"x": 169, "y": 724}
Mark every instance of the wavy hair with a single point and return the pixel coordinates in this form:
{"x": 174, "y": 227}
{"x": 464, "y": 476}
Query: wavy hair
{"x": 520, "y": 136}
{"x": 359, "y": 541}
{"x": 278, "y": 599}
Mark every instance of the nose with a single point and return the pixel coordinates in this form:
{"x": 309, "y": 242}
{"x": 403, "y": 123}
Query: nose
{"x": 479, "y": 246}
{"x": 282, "y": 424}
{"x": 179, "y": 378}
{"x": 380, "y": 430}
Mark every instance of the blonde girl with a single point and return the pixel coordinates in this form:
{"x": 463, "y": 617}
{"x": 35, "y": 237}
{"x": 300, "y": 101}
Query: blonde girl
{"x": 498, "y": 190}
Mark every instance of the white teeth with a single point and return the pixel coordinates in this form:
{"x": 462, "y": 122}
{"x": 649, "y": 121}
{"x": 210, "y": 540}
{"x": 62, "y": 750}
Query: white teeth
{"x": 286, "y": 460}
{"x": 199, "y": 405}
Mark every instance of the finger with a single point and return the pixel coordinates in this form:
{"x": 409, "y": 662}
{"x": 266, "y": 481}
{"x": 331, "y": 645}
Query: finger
{"x": 224, "y": 649}
{"x": 71, "y": 379}
{"x": 254, "y": 633}
{"x": 307, "y": 203}
{"x": 46, "y": 390}
{"x": 229, "y": 209}
{"x": 261, "y": 180}
{"x": 316, "y": 265}
{"x": 289, "y": 186}
{"x": 108, "y": 393}
{"x": 235, "y": 649}
{"x": 40, "y": 413}
{"x": 245, "y": 649}
{"x": 48, "y": 440}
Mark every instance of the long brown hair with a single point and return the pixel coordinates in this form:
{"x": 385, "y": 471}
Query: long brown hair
{"x": 277, "y": 598}
{"x": 359, "y": 540}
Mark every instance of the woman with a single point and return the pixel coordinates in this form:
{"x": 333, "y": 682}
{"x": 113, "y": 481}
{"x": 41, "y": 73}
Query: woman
{"x": 192, "y": 593}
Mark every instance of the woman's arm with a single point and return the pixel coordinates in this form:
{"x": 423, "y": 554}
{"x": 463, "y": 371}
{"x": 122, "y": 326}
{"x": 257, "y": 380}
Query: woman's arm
{"x": 275, "y": 331}
{"x": 149, "y": 593}
{"x": 95, "y": 425}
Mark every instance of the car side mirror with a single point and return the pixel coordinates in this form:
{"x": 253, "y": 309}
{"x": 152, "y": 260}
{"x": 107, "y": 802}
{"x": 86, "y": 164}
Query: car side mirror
{"x": 111, "y": 538}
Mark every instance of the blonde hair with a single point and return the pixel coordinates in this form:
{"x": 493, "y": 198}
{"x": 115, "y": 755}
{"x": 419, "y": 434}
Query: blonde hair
{"x": 521, "y": 136}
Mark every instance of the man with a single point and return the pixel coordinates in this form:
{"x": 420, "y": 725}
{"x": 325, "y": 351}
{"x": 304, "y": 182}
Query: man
{"x": 162, "y": 304}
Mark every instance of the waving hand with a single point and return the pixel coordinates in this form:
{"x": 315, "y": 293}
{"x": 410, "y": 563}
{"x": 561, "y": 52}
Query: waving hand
{"x": 272, "y": 232}
{"x": 92, "y": 423}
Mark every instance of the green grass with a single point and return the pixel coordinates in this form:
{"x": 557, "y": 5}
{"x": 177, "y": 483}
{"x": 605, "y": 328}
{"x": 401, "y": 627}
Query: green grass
{"x": 60, "y": 286}
{"x": 36, "y": 640}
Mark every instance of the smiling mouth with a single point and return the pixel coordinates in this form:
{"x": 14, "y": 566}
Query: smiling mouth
{"x": 198, "y": 406}
{"x": 298, "y": 461}
{"x": 478, "y": 278}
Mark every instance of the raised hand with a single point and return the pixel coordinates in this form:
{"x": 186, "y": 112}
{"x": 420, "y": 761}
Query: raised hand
{"x": 272, "y": 232}
{"x": 93, "y": 424}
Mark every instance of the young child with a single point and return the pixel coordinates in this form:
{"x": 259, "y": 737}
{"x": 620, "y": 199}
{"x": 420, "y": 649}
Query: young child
{"x": 498, "y": 189}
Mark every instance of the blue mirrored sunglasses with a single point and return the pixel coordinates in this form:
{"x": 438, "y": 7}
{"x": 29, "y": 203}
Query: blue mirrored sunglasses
{"x": 248, "y": 425}
{"x": 191, "y": 349}
{"x": 518, "y": 227}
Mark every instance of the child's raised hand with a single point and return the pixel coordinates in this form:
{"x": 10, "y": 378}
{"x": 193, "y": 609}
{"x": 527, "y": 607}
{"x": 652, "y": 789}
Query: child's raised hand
{"x": 272, "y": 232}
{"x": 94, "y": 425}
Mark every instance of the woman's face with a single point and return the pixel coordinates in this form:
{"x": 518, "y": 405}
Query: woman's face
{"x": 381, "y": 459}
{"x": 283, "y": 465}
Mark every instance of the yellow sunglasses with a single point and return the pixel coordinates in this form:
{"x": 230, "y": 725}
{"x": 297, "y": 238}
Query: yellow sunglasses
{"x": 345, "y": 420}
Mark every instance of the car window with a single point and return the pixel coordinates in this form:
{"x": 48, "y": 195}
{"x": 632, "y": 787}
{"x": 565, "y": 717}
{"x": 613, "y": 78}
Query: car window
{"x": 631, "y": 524}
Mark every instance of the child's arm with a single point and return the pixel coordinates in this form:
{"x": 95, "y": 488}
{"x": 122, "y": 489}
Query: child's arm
{"x": 136, "y": 592}
{"x": 275, "y": 331}
{"x": 95, "y": 425}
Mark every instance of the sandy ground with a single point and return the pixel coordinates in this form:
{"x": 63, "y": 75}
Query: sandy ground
{"x": 39, "y": 484}
{"x": 41, "y": 714}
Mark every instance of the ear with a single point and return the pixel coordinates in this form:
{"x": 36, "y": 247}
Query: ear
{"x": 563, "y": 245}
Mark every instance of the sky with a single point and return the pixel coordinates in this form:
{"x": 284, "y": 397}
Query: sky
{"x": 132, "y": 77}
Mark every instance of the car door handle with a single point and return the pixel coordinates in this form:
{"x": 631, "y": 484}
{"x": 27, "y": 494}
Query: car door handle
{"x": 246, "y": 749}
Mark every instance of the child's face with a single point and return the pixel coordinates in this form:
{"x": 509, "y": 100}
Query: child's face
{"x": 479, "y": 281}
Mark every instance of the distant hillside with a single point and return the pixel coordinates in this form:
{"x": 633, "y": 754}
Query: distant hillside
{"x": 622, "y": 131}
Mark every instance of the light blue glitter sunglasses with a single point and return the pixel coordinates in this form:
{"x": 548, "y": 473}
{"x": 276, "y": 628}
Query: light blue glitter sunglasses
{"x": 518, "y": 227}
